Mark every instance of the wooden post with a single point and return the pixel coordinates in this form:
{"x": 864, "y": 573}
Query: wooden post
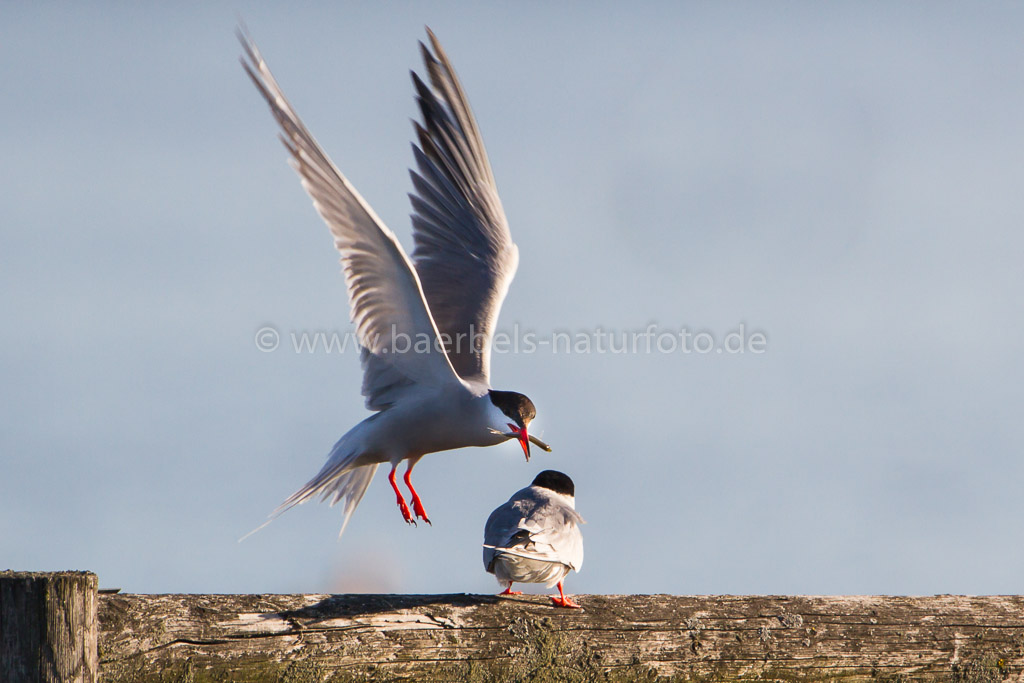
{"x": 48, "y": 627}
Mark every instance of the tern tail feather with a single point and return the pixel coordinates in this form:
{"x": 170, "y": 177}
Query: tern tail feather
{"x": 344, "y": 476}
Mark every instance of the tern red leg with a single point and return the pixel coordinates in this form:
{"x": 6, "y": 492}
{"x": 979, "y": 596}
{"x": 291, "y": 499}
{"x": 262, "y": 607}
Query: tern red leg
{"x": 401, "y": 501}
{"x": 563, "y": 601}
{"x": 417, "y": 504}
{"x": 509, "y": 591}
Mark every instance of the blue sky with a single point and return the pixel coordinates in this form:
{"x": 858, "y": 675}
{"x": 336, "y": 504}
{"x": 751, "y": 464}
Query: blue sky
{"x": 843, "y": 178}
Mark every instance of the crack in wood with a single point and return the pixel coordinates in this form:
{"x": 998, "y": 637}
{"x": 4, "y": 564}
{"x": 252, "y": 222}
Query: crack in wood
{"x": 692, "y": 638}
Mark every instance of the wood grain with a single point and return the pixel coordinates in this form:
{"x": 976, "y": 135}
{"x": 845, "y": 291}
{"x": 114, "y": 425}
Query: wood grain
{"x": 48, "y": 627}
{"x": 489, "y": 638}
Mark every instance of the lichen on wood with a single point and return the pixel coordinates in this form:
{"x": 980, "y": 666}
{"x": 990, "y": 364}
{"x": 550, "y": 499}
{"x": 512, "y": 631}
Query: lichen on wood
{"x": 490, "y": 639}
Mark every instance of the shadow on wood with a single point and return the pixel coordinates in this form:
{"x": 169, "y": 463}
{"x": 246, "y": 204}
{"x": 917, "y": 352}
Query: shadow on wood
{"x": 292, "y": 638}
{"x": 334, "y": 606}
{"x": 50, "y": 625}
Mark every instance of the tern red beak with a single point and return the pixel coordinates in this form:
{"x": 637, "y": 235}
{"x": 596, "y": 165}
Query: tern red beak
{"x": 524, "y": 439}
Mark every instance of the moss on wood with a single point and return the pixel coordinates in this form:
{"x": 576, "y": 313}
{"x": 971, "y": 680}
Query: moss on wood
{"x": 482, "y": 639}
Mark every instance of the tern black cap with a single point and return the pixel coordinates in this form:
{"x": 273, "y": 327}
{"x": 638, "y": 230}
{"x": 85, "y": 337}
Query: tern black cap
{"x": 555, "y": 481}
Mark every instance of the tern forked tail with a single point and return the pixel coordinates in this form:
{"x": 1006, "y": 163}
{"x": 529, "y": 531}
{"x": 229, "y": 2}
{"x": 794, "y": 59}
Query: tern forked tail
{"x": 341, "y": 477}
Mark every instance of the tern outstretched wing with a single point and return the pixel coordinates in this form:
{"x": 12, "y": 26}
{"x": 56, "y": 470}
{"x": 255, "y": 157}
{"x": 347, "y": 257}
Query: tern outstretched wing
{"x": 464, "y": 252}
{"x": 384, "y": 290}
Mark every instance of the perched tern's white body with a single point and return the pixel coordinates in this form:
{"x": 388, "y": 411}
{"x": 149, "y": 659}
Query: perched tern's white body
{"x": 535, "y": 537}
{"x": 443, "y": 303}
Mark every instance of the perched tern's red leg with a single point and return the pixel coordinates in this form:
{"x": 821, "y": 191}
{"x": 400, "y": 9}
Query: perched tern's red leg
{"x": 401, "y": 501}
{"x": 417, "y": 504}
{"x": 509, "y": 591}
{"x": 562, "y": 601}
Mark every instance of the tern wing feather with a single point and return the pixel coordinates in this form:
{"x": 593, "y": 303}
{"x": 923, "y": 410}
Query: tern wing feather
{"x": 464, "y": 253}
{"x": 385, "y": 295}
{"x": 555, "y": 535}
{"x": 535, "y": 526}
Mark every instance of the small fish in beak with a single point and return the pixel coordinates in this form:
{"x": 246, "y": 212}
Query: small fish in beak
{"x": 515, "y": 434}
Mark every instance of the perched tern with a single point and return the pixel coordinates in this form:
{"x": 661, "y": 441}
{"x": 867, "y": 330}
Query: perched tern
{"x": 535, "y": 537}
{"x": 424, "y": 324}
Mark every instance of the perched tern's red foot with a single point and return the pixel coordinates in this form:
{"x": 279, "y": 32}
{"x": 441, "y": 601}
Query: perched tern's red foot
{"x": 401, "y": 500}
{"x": 509, "y": 591}
{"x": 563, "y": 601}
{"x": 417, "y": 504}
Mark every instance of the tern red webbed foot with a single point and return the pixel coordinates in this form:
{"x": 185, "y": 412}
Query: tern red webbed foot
{"x": 509, "y": 591}
{"x": 406, "y": 515}
{"x": 417, "y": 504}
{"x": 417, "y": 508}
{"x": 562, "y": 601}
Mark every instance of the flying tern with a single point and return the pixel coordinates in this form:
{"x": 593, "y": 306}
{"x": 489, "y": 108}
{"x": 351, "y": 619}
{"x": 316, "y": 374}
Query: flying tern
{"x": 432, "y": 396}
{"x": 535, "y": 537}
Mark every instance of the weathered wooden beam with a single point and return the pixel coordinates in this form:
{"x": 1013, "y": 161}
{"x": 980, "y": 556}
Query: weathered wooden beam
{"x": 613, "y": 638}
{"x": 48, "y": 627}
